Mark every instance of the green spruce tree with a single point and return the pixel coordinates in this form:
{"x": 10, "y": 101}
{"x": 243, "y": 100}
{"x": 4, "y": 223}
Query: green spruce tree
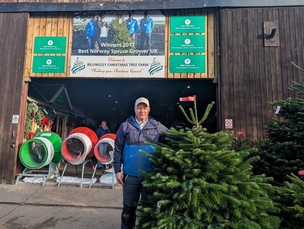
{"x": 281, "y": 156}
{"x": 292, "y": 202}
{"x": 199, "y": 182}
{"x": 120, "y": 37}
{"x": 283, "y": 152}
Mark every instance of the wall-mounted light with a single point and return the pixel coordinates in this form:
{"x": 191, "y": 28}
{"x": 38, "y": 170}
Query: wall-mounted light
{"x": 271, "y": 33}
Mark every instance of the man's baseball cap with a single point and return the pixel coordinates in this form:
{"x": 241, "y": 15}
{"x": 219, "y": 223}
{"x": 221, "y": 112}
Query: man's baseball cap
{"x": 142, "y": 100}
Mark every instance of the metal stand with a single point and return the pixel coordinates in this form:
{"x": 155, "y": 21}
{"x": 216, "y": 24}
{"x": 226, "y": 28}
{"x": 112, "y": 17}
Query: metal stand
{"x": 113, "y": 174}
{"x": 113, "y": 177}
{"x": 93, "y": 175}
{"x": 82, "y": 171}
{"x": 52, "y": 171}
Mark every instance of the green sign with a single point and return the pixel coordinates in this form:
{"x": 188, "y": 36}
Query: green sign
{"x": 48, "y": 64}
{"x": 187, "y": 43}
{"x": 50, "y": 45}
{"x": 188, "y": 64}
{"x": 187, "y": 24}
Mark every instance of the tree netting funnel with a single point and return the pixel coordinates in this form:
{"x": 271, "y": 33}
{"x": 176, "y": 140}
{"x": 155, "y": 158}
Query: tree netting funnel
{"x": 41, "y": 150}
{"x": 104, "y": 149}
{"x": 79, "y": 145}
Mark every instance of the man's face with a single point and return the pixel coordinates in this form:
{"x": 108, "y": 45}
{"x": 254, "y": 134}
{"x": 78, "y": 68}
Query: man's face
{"x": 103, "y": 124}
{"x": 142, "y": 112}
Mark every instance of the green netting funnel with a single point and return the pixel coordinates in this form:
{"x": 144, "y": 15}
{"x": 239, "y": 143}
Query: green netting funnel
{"x": 39, "y": 151}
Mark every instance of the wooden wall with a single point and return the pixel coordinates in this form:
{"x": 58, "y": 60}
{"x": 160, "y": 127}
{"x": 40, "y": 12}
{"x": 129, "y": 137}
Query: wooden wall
{"x": 12, "y": 48}
{"x": 251, "y": 75}
{"x": 48, "y": 24}
{"x": 61, "y": 24}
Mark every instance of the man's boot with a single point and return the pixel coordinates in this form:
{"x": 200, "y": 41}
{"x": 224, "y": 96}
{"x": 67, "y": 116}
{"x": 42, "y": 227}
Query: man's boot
{"x": 128, "y": 217}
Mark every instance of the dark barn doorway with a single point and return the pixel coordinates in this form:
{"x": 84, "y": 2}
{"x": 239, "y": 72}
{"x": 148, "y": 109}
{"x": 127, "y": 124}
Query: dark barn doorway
{"x": 113, "y": 99}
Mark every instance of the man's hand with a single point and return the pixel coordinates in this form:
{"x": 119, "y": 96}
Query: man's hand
{"x": 119, "y": 178}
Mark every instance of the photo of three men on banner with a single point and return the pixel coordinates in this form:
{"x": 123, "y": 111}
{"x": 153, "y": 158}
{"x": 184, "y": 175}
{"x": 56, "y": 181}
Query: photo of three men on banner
{"x": 138, "y": 34}
{"x": 118, "y": 35}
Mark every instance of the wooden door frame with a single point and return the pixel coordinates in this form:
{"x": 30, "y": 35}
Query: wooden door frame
{"x": 13, "y": 90}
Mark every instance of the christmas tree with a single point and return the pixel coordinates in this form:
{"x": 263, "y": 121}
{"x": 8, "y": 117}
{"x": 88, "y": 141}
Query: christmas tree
{"x": 282, "y": 153}
{"x": 292, "y": 202}
{"x": 282, "y": 156}
{"x": 198, "y": 181}
{"x": 120, "y": 36}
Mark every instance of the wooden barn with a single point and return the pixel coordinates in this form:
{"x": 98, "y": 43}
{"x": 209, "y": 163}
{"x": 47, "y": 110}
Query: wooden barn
{"x": 235, "y": 53}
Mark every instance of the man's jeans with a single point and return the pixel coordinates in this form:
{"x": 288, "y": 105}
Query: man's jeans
{"x": 132, "y": 190}
{"x": 145, "y": 39}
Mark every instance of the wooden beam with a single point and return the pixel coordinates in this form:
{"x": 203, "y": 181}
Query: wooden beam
{"x": 94, "y": 6}
{"x": 142, "y": 5}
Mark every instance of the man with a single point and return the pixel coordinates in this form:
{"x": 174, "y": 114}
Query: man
{"x": 146, "y": 27}
{"x": 92, "y": 31}
{"x": 104, "y": 28}
{"x": 102, "y": 129}
{"x": 132, "y": 26}
{"x": 130, "y": 139}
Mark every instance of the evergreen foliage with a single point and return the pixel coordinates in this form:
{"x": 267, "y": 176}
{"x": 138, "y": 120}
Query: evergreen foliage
{"x": 31, "y": 109}
{"x": 198, "y": 181}
{"x": 242, "y": 143}
{"x": 35, "y": 112}
{"x": 120, "y": 36}
{"x": 282, "y": 156}
{"x": 283, "y": 152}
{"x": 292, "y": 200}
{"x": 194, "y": 119}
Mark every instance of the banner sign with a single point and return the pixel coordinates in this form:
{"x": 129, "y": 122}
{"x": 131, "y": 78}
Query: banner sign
{"x": 187, "y": 24}
{"x": 188, "y": 64}
{"x": 111, "y": 45}
{"x": 187, "y": 43}
{"x": 48, "y": 64}
{"x": 118, "y": 66}
{"x": 50, "y": 45}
